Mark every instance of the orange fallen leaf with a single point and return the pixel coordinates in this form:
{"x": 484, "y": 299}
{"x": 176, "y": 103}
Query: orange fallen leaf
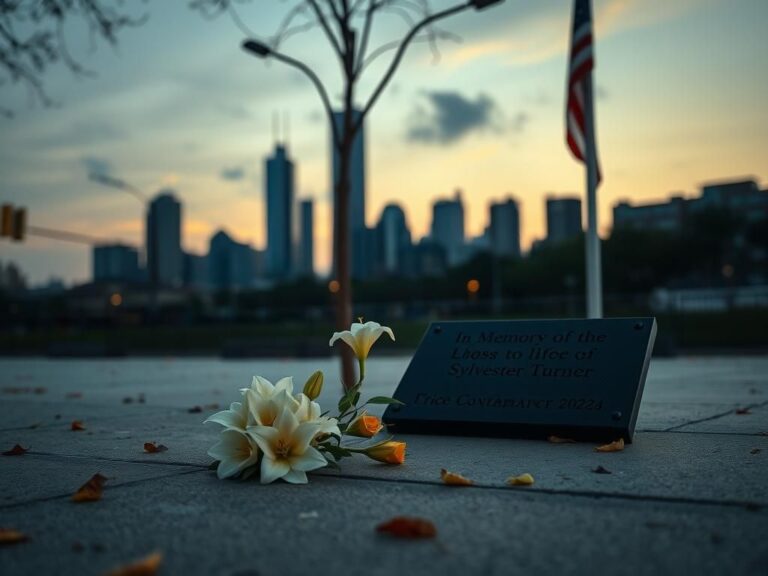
{"x": 557, "y": 440}
{"x": 615, "y": 446}
{"x": 453, "y": 479}
{"x": 10, "y": 536}
{"x": 91, "y": 491}
{"x": 17, "y": 450}
{"x": 521, "y": 480}
{"x": 77, "y": 426}
{"x": 153, "y": 448}
{"x": 147, "y": 566}
{"x": 405, "y": 527}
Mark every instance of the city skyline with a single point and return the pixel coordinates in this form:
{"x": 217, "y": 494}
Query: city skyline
{"x": 200, "y": 125}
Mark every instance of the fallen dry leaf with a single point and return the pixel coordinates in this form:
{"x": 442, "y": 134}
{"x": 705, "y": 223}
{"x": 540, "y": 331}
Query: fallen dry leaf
{"x": 10, "y": 536}
{"x": 615, "y": 446}
{"x": 17, "y": 450}
{"x": 453, "y": 479}
{"x": 521, "y": 480}
{"x": 195, "y": 410}
{"x": 154, "y": 448}
{"x": 601, "y": 470}
{"x": 77, "y": 426}
{"x": 753, "y": 451}
{"x": 214, "y": 406}
{"x": 742, "y": 411}
{"x": 127, "y": 400}
{"x": 91, "y": 491}
{"x": 147, "y": 566}
{"x": 406, "y": 527}
{"x": 557, "y": 440}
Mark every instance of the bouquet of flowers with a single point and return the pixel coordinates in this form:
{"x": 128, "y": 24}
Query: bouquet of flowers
{"x": 285, "y": 435}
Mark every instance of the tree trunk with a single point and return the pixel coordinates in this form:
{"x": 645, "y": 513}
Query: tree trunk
{"x": 342, "y": 253}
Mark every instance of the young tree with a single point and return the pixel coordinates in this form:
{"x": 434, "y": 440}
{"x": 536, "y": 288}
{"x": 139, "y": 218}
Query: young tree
{"x": 347, "y": 26}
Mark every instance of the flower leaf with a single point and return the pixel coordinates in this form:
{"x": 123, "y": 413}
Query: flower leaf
{"x": 384, "y": 400}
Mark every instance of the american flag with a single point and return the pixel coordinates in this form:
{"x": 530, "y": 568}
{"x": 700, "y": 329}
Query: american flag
{"x": 580, "y": 83}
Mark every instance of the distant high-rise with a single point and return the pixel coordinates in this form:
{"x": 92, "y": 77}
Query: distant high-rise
{"x": 563, "y": 218}
{"x": 231, "y": 264}
{"x": 356, "y": 193}
{"x": 448, "y": 227}
{"x": 393, "y": 237}
{"x": 504, "y": 229}
{"x": 165, "y": 260}
{"x": 279, "y": 213}
{"x": 115, "y": 262}
{"x": 306, "y": 261}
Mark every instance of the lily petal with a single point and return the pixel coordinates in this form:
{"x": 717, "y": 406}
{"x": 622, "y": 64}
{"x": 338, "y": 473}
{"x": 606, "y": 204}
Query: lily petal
{"x": 312, "y": 459}
{"x": 272, "y": 469}
{"x": 296, "y": 477}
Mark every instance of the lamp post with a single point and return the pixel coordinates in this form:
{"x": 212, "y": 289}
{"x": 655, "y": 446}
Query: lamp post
{"x": 350, "y": 49}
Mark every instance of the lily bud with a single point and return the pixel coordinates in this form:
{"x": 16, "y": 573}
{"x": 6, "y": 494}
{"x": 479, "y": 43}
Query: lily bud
{"x": 364, "y": 426}
{"x": 389, "y": 452}
{"x": 314, "y": 385}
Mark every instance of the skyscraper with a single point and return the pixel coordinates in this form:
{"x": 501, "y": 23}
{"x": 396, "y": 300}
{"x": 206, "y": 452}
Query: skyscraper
{"x": 306, "y": 261}
{"x": 357, "y": 230}
{"x": 448, "y": 227}
{"x": 393, "y": 237}
{"x": 563, "y": 218}
{"x": 165, "y": 260}
{"x": 231, "y": 265}
{"x": 279, "y": 213}
{"x": 115, "y": 262}
{"x": 504, "y": 230}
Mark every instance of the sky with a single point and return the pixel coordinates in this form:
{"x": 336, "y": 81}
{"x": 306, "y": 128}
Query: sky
{"x": 681, "y": 90}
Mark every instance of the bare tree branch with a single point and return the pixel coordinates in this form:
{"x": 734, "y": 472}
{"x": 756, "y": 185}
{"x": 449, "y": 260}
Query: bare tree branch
{"x": 33, "y": 38}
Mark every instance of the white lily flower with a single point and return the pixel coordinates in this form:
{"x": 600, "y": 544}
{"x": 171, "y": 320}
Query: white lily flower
{"x": 310, "y": 411}
{"x": 287, "y": 453}
{"x": 235, "y": 452}
{"x": 360, "y": 337}
{"x": 236, "y": 418}
{"x": 264, "y": 410}
{"x": 266, "y": 389}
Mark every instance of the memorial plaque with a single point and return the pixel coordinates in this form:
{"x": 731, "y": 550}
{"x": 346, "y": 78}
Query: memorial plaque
{"x": 580, "y": 379}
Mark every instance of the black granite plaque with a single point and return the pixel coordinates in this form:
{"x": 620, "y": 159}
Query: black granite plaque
{"x": 580, "y": 379}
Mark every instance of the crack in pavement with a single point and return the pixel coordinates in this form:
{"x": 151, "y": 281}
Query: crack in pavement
{"x": 715, "y": 417}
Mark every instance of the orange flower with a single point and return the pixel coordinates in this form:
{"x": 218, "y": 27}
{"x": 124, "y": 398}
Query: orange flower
{"x": 388, "y": 452}
{"x": 364, "y": 426}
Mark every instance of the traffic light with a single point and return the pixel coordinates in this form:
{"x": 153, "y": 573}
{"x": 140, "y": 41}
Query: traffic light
{"x": 6, "y": 222}
{"x": 19, "y": 224}
{"x": 13, "y": 222}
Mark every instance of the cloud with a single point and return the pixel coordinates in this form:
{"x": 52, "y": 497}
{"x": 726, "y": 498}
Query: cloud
{"x": 233, "y": 174}
{"x": 95, "y": 165}
{"x": 451, "y": 116}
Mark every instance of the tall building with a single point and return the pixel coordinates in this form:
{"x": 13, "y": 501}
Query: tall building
{"x": 279, "y": 213}
{"x": 306, "y": 257}
{"x": 115, "y": 262}
{"x": 357, "y": 229}
{"x": 394, "y": 238}
{"x": 563, "y": 218}
{"x": 668, "y": 216}
{"x": 504, "y": 228}
{"x": 196, "y": 271}
{"x": 231, "y": 265}
{"x": 165, "y": 260}
{"x": 448, "y": 227}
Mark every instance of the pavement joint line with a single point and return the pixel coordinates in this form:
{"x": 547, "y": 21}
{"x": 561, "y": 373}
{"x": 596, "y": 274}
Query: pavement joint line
{"x": 110, "y": 487}
{"x": 715, "y": 417}
{"x": 701, "y": 432}
{"x": 745, "y": 504}
{"x": 108, "y": 459}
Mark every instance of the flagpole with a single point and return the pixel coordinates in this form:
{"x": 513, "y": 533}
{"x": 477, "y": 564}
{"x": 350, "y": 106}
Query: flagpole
{"x": 592, "y": 244}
